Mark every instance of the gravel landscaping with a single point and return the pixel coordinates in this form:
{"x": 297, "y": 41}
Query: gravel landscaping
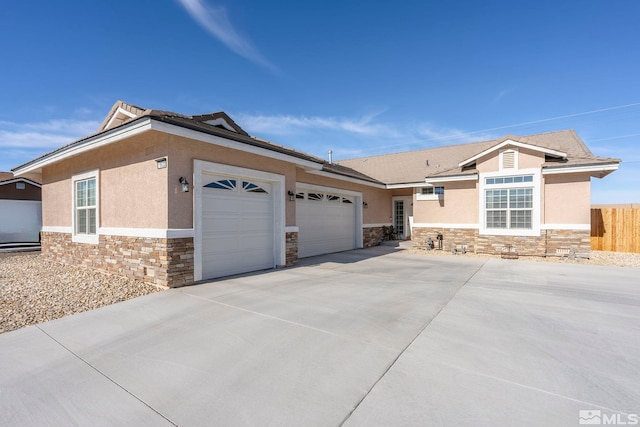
{"x": 34, "y": 290}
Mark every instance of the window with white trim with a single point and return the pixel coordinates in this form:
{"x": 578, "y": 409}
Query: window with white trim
{"x": 429, "y": 193}
{"x": 85, "y": 208}
{"x": 510, "y": 207}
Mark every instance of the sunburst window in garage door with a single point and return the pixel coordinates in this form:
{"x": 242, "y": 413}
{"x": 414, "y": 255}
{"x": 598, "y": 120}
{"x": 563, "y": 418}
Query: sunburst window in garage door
{"x": 237, "y": 226}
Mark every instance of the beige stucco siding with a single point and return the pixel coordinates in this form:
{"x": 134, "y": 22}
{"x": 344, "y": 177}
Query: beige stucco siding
{"x": 567, "y": 199}
{"x": 182, "y": 153}
{"x": 132, "y": 191}
{"x": 527, "y": 159}
{"x": 378, "y": 200}
{"x": 56, "y": 202}
{"x": 458, "y": 206}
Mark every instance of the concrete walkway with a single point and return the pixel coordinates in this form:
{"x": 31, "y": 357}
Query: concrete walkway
{"x": 369, "y": 337}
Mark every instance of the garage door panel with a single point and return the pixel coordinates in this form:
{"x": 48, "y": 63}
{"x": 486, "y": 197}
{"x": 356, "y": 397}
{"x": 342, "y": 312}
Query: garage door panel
{"x": 326, "y": 223}
{"x": 237, "y": 226}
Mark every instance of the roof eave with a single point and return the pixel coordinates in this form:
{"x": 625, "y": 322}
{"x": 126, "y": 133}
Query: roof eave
{"x": 452, "y": 178}
{"x": 599, "y": 170}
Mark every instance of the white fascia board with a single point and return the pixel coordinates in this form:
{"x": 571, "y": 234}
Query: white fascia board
{"x": 609, "y": 167}
{"x": 120, "y": 110}
{"x": 221, "y": 122}
{"x": 408, "y": 185}
{"x": 346, "y": 178}
{"x": 89, "y": 144}
{"x": 517, "y": 144}
{"x": 454, "y": 178}
{"x": 25, "y": 180}
{"x": 229, "y": 143}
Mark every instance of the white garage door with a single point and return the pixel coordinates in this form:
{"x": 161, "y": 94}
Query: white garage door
{"x": 326, "y": 222}
{"x": 20, "y": 221}
{"x": 237, "y": 225}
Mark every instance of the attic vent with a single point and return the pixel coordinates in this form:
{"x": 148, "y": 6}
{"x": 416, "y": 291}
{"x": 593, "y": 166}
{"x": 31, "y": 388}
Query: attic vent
{"x": 508, "y": 159}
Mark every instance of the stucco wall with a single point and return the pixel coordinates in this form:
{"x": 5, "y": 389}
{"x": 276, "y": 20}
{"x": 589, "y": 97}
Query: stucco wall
{"x": 527, "y": 159}
{"x": 378, "y": 210}
{"x": 567, "y": 199}
{"x": 132, "y": 190}
{"x": 458, "y": 206}
{"x": 182, "y": 153}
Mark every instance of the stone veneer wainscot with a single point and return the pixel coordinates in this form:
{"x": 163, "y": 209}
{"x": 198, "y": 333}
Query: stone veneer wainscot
{"x": 164, "y": 262}
{"x": 549, "y": 243}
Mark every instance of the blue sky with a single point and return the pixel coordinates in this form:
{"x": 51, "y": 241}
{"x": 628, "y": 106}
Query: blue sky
{"x": 358, "y": 78}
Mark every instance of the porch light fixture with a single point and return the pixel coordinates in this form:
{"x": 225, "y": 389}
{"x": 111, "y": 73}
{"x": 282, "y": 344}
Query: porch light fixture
{"x": 292, "y": 196}
{"x": 365, "y": 205}
{"x": 185, "y": 184}
{"x": 161, "y": 163}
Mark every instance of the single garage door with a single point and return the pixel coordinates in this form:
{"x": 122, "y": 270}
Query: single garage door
{"x": 237, "y": 225}
{"x": 326, "y": 222}
{"x": 20, "y": 221}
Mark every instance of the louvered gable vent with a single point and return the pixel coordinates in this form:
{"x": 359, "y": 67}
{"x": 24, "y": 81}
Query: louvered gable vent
{"x": 508, "y": 160}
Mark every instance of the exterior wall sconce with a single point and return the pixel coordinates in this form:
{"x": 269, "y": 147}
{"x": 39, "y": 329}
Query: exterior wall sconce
{"x": 185, "y": 184}
{"x": 161, "y": 163}
{"x": 365, "y": 205}
{"x": 292, "y": 196}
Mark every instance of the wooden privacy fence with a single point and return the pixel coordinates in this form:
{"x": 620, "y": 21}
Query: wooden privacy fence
{"x": 615, "y": 228}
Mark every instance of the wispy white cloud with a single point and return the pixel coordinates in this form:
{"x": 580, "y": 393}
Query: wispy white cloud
{"x": 289, "y": 125}
{"x": 46, "y": 134}
{"x": 216, "y": 22}
{"x": 21, "y": 142}
{"x": 352, "y": 136}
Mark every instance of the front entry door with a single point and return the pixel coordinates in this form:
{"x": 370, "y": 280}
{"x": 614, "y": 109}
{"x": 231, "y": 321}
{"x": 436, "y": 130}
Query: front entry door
{"x": 402, "y": 210}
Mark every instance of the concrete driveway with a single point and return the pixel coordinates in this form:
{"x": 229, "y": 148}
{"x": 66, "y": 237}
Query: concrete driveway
{"x": 369, "y": 337}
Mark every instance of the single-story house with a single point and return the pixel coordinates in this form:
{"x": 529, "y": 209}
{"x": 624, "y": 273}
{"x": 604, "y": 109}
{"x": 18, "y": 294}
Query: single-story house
{"x": 20, "y": 209}
{"x": 173, "y": 199}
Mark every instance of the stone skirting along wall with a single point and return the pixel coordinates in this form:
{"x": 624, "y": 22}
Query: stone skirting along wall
{"x": 372, "y": 236}
{"x": 291, "y": 256}
{"x": 165, "y": 262}
{"x": 549, "y": 243}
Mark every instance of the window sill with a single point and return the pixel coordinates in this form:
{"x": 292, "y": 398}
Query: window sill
{"x": 509, "y": 232}
{"x": 429, "y": 196}
{"x": 91, "y": 239}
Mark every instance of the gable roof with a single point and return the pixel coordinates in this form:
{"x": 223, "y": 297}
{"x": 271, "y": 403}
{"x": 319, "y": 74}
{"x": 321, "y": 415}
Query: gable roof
{"x": 563, "y": 149}
{"x": 8, "y": 178}
{"x": 123, "y": 116}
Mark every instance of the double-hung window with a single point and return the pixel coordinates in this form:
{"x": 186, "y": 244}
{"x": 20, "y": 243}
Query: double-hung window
{"x": 85, "y": 208}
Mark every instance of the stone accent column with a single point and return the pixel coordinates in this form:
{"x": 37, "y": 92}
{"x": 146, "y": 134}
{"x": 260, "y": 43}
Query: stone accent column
{"x": 372, "y": 236}
{"x": 291, "y": 248}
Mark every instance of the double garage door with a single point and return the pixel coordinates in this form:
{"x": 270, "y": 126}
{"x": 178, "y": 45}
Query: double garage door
{"x": 239, "y": 223}
{"x": 326, "y": 222}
